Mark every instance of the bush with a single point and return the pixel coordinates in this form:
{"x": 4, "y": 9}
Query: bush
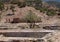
{"x": 51, "y": 13}
{"x": 1, "y": 6}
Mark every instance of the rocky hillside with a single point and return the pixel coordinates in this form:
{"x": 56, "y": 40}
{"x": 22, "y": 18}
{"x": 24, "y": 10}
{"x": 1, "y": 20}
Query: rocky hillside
{"x": 19, "y": 9}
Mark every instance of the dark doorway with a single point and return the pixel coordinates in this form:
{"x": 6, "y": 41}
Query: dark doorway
{"x": 1, "y": 41}
{"x": 16, "y": 20}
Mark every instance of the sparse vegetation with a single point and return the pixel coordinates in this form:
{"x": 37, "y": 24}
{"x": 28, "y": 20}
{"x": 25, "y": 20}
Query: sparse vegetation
{"x": 34, "y": 3}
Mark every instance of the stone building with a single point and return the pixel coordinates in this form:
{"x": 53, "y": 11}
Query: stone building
{"x": 24, "y": 36}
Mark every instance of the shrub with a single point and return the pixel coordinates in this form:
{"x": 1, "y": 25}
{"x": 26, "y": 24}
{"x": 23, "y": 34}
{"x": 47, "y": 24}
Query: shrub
{"x": 1, "y": 6}
{"x": 51, "y": 13}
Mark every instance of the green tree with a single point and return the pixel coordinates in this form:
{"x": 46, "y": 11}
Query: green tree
{"x": 32, "y": 18}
